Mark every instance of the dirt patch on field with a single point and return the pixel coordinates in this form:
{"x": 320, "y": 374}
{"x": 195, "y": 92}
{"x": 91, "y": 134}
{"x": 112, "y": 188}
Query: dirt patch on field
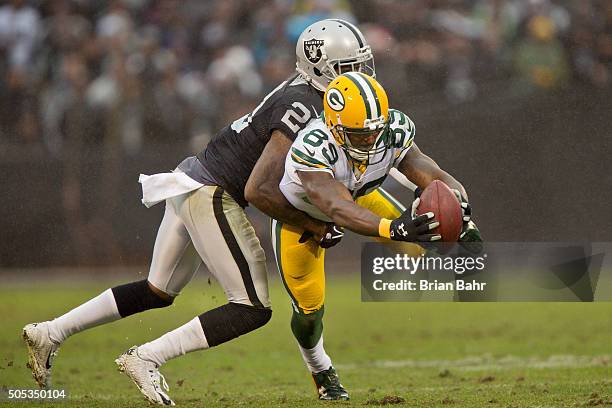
{"x": 486, "y": 379}
{"x": 595, "y": 400}
{"x": 386, "y": 400}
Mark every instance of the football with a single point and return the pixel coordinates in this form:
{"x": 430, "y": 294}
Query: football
{"x": 439, "y": 199}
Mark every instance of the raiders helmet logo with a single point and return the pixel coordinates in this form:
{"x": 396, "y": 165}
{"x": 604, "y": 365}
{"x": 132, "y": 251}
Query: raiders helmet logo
{"x": 312, "y": 49}
{"x": 335, "y": 100}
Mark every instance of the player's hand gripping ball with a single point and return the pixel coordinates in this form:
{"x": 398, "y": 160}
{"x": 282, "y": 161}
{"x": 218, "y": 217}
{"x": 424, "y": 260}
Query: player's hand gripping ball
{"x": 443, "y": 202}
{"x": 407, "y": 228}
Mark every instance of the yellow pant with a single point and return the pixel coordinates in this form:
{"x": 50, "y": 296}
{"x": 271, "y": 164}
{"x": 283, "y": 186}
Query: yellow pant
{"x": 301, "y": 265}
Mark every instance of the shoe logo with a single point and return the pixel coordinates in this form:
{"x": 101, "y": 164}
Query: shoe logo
{"x": 48, "y": 363}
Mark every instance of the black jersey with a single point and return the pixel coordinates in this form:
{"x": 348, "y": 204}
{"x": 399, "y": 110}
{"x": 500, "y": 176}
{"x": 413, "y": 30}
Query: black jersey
{"x": 232, "y": 153}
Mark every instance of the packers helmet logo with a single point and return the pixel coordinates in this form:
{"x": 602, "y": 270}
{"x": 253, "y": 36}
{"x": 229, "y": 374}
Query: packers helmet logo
{"x": 335, "y": 100}
{"x": 312, "y": 49}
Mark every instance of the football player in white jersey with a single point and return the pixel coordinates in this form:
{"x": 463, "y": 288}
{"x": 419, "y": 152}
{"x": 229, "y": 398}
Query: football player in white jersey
{"x": 333, "y": 172}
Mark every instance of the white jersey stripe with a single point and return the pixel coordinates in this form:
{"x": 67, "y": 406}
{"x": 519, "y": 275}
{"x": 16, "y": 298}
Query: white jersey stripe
{"x": 267, "y": 97}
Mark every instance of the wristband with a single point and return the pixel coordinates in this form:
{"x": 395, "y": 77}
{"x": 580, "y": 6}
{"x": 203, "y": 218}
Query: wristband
{"x": 384, "y": 228}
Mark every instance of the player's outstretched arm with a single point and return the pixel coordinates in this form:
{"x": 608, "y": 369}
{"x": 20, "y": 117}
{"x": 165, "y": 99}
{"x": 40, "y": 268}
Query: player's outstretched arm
{"x": 422, "y": 170}
{"x": 263, "y": 192}
{"x": 335, "y": 201}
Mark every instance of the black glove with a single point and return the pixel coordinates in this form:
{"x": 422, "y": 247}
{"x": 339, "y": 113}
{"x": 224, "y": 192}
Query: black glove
{"x": 332, "y": 236}
{"x": 406, "y": 228}
{"x": 466, "y": 209}
{"x": 469, "y": 232}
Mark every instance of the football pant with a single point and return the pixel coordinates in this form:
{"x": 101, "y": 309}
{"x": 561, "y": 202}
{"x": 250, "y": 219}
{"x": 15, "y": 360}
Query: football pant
{"x": 207, "y": 225}
{"x": 301, "y": 264}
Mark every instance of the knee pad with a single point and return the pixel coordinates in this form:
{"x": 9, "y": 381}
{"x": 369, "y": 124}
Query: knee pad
{"x": 136, "y": 297}
{"x": 232, "y": 320}
{"x": 307, "y": 328}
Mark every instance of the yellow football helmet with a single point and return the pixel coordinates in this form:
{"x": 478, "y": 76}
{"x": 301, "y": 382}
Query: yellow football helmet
{"x": 356, "y": 112}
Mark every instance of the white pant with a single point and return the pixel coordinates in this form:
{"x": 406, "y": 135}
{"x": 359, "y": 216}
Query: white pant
{"x": 208, "y": 225}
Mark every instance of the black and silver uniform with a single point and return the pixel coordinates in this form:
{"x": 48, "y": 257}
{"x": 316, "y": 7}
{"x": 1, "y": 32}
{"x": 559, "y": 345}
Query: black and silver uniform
{"x": 230, "y": 156}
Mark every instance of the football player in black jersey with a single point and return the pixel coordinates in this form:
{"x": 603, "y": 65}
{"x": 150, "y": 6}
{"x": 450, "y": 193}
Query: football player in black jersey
{"x": 204, "y": 221}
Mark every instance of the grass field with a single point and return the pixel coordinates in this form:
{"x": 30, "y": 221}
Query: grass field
{"x": 425, "y": 354}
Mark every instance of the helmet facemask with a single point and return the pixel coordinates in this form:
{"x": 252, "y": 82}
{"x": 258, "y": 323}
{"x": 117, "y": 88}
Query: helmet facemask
{"x": 363, "y": 155}
{"x": 364, "y": 63}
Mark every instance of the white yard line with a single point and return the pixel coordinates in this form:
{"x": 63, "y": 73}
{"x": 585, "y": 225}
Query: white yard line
{"x": 487, "y": 362}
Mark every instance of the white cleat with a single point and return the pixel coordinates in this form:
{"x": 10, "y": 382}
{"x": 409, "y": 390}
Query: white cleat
{"x": 145, "y": 374}
{"x": 41, "y": 352}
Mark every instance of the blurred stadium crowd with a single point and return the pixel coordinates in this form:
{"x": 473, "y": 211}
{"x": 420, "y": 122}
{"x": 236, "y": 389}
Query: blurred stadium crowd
{"x": 129, "y": 72}
{"x": 93, "y": 92}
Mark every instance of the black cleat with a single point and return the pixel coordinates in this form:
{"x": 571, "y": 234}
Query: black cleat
{"x": 328, "y": 386}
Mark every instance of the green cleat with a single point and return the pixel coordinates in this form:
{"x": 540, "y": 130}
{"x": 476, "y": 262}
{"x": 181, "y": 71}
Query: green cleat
{"x": 328, "y": 385}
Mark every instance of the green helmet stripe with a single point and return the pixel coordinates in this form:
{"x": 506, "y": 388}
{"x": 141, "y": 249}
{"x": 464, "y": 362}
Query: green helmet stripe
{"x": 349, "y": 75}
{"x": 373, "y": 92}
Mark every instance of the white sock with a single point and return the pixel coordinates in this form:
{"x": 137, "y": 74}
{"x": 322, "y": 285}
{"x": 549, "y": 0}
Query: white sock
{"x": 187, "y": 338}
{"x": 316, "y": 358}
{"x": 99, "y": 310}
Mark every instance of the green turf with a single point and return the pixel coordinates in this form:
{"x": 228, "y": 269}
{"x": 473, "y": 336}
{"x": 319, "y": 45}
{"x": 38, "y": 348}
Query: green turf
{"x": 429, "y": 354}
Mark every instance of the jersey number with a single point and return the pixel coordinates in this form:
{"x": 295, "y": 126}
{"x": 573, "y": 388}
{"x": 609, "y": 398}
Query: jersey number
{"x": 239, "y": 124}
{"x": 315, "y": 138}
{"x": 292, "y": 119}
{"x": 399, "y": 134}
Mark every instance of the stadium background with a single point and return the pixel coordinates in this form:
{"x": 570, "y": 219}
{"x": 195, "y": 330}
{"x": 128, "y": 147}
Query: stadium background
{"x": 513, "y": 97}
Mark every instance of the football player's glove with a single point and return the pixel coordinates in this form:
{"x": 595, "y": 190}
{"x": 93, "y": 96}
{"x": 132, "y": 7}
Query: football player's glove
{"x": 332, "y": 236}
{"x": 470, "y": 233}
{"x": 466, "y": 209}
{"x": 409, "y": 229}
{"x": 417, "y": 192}
{"x": 470, "y": 241}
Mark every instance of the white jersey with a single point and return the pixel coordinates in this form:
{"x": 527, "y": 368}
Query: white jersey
{"x": 315, "y": 149}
